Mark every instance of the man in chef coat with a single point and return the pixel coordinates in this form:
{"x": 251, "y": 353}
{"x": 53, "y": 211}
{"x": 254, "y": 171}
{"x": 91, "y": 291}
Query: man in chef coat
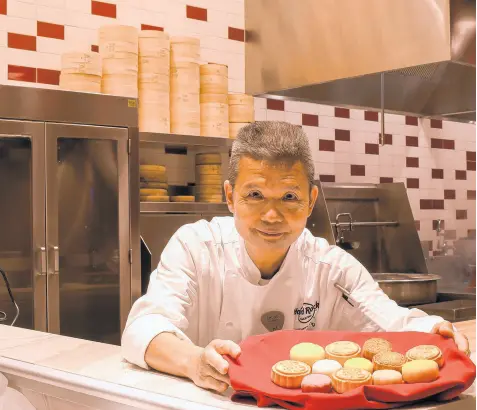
{"x": 260, "y": 270}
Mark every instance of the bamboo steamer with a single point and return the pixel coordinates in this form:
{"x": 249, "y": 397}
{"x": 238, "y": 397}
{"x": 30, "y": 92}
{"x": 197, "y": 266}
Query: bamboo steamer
{"x": 153, "y": 118}
{"x": 234, "y": 128}
{"x": 207, "y": 158}
{"x": 240, "y": 99}
{"x": 120, "y": 84}
{"x": 208, "y": 169}
{"x": 80, "y": 82}
{"x": 241, "y": 113}
{"x": 152, "y": 191}
{"x": 202, "y": 190}
{"x": 184, "y": 49}
{"x": 209, "y": 198}
{"x": 153, "y": 173}
{"x": 213, "y": 79}
{"x": 118, "y": 33}
{"x": 126, "y": 63}
{"x": 185, "y": 78}
{"x": 185, "y": 128}
{"x": 153, "y": 43}
{"x": 182, "y": 198}
{"x": 215, "y": 129}
{"x": 113, "y": 49}
{"x": 208, "y": 179}
{"x": 81, "y": 63}
{"x": 154, "y": 198}
{"x": 214, "y": 120}
{"x": 214, "y": 98}
{"x": 155, "y": 97}
{"x": 154, "y": 65}
{"x": 156, "y": 185}
{"x": 158, "y": 86}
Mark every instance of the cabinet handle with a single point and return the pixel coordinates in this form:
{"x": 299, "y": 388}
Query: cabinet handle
{"x": 56, "y": 260}
{"x": 42, "y": 268}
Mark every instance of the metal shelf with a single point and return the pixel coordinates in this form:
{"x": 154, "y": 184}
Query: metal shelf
{"x": 184, "y": 208}
{"x": 178, "y": 140}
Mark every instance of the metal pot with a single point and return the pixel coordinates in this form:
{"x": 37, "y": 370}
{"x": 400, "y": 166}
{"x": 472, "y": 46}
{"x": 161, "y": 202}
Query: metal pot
{"x": 409, "y": 288}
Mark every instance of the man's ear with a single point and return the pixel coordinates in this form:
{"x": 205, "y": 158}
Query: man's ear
{"x": 229, "y": 197}
{"x": 313, "y": 197}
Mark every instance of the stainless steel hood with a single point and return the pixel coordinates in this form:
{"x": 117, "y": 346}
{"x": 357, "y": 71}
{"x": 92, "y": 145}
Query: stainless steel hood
{"x": 342, "y": 52}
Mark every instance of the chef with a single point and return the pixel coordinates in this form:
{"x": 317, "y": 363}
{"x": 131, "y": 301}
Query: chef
{"x": 260, "y": 270}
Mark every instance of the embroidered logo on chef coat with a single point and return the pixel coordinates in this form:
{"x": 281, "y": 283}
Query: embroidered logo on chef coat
{"x": 306, "y": 315}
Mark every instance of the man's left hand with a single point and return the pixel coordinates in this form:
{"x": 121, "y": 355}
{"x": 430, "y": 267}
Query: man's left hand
{"x": 445, "y": 329}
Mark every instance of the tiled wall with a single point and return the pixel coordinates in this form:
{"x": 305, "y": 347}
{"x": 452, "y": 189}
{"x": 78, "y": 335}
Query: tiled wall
{"x": 436, "y": 160}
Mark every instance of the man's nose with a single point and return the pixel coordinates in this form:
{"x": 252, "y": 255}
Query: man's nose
{"x": 271, "y": 214}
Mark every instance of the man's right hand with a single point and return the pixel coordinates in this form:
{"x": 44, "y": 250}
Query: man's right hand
{"x": 208, "y": 369}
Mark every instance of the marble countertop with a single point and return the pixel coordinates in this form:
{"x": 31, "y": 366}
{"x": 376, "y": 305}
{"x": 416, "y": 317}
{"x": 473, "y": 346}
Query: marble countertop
{"x": 98, "y": 369}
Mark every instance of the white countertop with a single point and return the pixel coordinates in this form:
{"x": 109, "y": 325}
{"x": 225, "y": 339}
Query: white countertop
{"x": 98, "y": 370}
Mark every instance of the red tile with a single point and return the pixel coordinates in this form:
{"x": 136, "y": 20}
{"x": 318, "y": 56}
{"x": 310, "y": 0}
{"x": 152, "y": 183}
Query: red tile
{"x": 358, "y": 170}
{"x": 471, "y": 233}
{"x": 327, "y": 178}
{"x": 411, "y": 120}
{"x": 236, "y": 34}
{"x": 149, "y": 27}
{"x": 470, "y": 165}
{"x": 94, "y": 48}
{"x": 437, "y": 174}
{"x": 342, "y": 135}
{"x": 3, "y": 7}
{"x": 388, "y": 139}
{"x": 448, "y": 144}
{"x": 385, "y": 180}
{"x": 436, "y": 123}
{"x": 412, "y": 141}
{"x": 412, "y": 183}
{"x": 20, "y": 73}
{"x": 418, "y": 225}
{"x": 326, "y": 145}
{"x": 100, "y": 8}
{"x": 371, "y": 116}
{"x": 427, "y": 246}
{"x": 50, "y": 30}
{"x": 45, "y": 76}
{"x": 460, "y": 175}
{"x": 450, "y": 234}
{"x": 278, "y": 105}
{"x": 22, "y": 41}
{"x": 426, "y": 204}
{"x": 434, "y": 224}
{"x": 196, "y": 13}
{"x": 310, "y": 120}
{"x": 460, "y": 214}
{"x": 449, "y": 193}
{"x": 471, "y": 194}
{"x": 470, "y": 155}
{"x": 412, "y": 162}
{"x": 341, "y": 112}
{"x": 372, "y": 149}
{"x": 438, "y": 204}
{"x": 437, "y": 143}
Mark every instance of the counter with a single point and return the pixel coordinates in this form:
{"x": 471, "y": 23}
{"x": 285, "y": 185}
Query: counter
{"x": 57, "y": 372}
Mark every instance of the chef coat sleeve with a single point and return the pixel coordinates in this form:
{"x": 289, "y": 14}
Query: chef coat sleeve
{"x": 374, "y": 310}
{"x": 168, "y": 304}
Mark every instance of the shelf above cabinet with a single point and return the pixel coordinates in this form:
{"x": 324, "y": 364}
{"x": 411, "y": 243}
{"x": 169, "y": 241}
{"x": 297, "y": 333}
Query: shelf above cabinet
{"x": 177, "y": 140}
{"x": 184, "y": 208}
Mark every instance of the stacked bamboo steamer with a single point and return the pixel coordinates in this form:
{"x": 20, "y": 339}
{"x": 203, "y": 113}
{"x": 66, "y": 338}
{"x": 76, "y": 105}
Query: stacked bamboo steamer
{"x": 185, "y": 86}
{"x": 118, "y": 46}
{"x": 153, "y": 183}
{"x": 153, "y": 84}
{"x": 241, "y": 112}
{"x": 208, "y": 178}
{"x": 214, "y": 109}
{"x": 81, "y": 72}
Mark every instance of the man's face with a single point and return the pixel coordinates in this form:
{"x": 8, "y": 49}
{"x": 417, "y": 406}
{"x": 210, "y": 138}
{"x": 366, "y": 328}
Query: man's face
{"x": 271, "y": 203}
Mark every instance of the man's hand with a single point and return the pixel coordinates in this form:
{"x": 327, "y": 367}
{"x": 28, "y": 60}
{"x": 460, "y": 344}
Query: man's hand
{"x": 209, "y": 369}
{"x": 445, "y": 329}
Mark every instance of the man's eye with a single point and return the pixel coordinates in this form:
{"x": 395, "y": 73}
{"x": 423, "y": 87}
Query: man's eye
{"x": 290, "y": 197}
{"x": 255, "y": 195}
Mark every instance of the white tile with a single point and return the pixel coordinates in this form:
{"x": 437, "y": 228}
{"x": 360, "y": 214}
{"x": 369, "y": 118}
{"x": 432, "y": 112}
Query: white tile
{"x": 325, "y": 168}
{"x": 343, "y": 146}
{"x": 236, "y": 86}
{"x": 326, "y": 110}
{"x": 230, "y": 6}
{"x": 327, "y": 133}
{"x": 343, "y": 157}
{"x": 51, "y": 45}
{"x": 260, "y": 103}
{"x": 55, "y": 15}
{"x": 310, "y": 131}
{"x": 394, "y": 118}
{"x": 293, "y": 106}
{"x": 21, "y": 9}
{"x": 3, "y": 39}
{"x": 222, "y": 44}
{"x": 49, "y": 61}
{"x": 326, "y": 157}
{"x": 273, "y": 115}
{"x": 80, "y": 39}
{"x": 342, "y": 173}
{"x": 293, "y": 118}
{"x": 260, "y": 114}
{"x": 235, "y": 20}
{"x": 236, "y": 63}
{"x": 20, "y": 26}
{"x": 83, "y": 6}
{"x": 329, "y": 122}
{"x": 208, "y": 55}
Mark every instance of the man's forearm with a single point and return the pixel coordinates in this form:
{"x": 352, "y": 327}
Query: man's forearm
{"x": 169, "y": 354}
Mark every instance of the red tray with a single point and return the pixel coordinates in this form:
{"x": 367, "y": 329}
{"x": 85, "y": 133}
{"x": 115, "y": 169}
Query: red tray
{"x": 250, "y": 373}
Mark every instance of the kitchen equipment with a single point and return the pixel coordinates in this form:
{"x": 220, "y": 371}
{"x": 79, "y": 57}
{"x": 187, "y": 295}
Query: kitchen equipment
{"x": 409, "y": 289}
{"x": 3, "y": 315}
{"x": 452, "y": 310}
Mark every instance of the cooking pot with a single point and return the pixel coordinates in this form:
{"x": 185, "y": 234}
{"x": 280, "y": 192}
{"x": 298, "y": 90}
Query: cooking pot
{"x": 409, "y": 288}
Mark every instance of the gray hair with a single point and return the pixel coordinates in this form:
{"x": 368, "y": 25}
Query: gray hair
{"x": 273, "y": 141}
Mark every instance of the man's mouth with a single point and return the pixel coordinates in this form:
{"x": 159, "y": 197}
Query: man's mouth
{"x": 270, "y": 234}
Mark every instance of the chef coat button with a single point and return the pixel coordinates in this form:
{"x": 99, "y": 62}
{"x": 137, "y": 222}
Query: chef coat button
{"x": 229, "y": 324}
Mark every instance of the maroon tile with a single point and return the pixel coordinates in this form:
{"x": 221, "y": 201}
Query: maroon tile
{"x": 371, "y": 149}
{"x": 448, "y": 144}
{"x": 21, "y": 73}
{"x": 450, "y": 234}
{"x": 236, "y": 34}
{"x": 460, "y": 214}
{"x": 327, "y": 178}
{"x": 470, "y": 165}
{"x": 342, "y": 135}
{"x": 385, "y": 180}
{"x": 358, "y": 170}
{"x": 149, "y": 27}
{"x": 3, "y": 7}
{"x": 471, "y": 194}
{"x": 413, "y": 183}
{"x": 460, "y": 175}
{"x": 341, "y": 112}
{"x": 418, "y": 225}
{"x": 45, "y": 76}
{"x": 434, "y": 224}
{"x": 438, "y": 204}
{"x": 278, "y": 105}
{"x": 22, "y": 41}
{"x": 412, "y": 141}
{"x": 411, "y": 120}
{"x": 371, "y": 116}
{"x": 426, "y": 245}
{"x": 471, "y": 233}
{"x": 470, "y": 155}
{"x": 412, "y": 162}
{"x": 449, "y": 193}
{"x": 437, "y": 143}
{"x": 309, "y": 119}
{"x": 426, "y": 204}
{"x": 50, "y": 30}
{"x": 437, "y": 174}
{"x": 100, "y": 8}
{"x": 388, "y": 139}
{"x": 94, "y": 48}
{"x": 326, "y": 145}
{"x": 436, "y": 123}
{"x": 196, "y": 13}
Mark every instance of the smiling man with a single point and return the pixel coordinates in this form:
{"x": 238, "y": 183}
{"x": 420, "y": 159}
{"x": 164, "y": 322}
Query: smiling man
{"x": 261, "y": 270}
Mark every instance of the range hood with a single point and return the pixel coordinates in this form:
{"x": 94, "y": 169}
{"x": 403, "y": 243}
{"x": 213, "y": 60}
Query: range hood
{"x": 403, "y": 56}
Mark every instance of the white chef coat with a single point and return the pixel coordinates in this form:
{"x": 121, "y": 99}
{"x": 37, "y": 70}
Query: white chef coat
{"x": 206, "y": 287}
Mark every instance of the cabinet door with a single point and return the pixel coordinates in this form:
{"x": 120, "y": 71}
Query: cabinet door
{"x": 22, "y": 222}
{"x": 87, "y": 231}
